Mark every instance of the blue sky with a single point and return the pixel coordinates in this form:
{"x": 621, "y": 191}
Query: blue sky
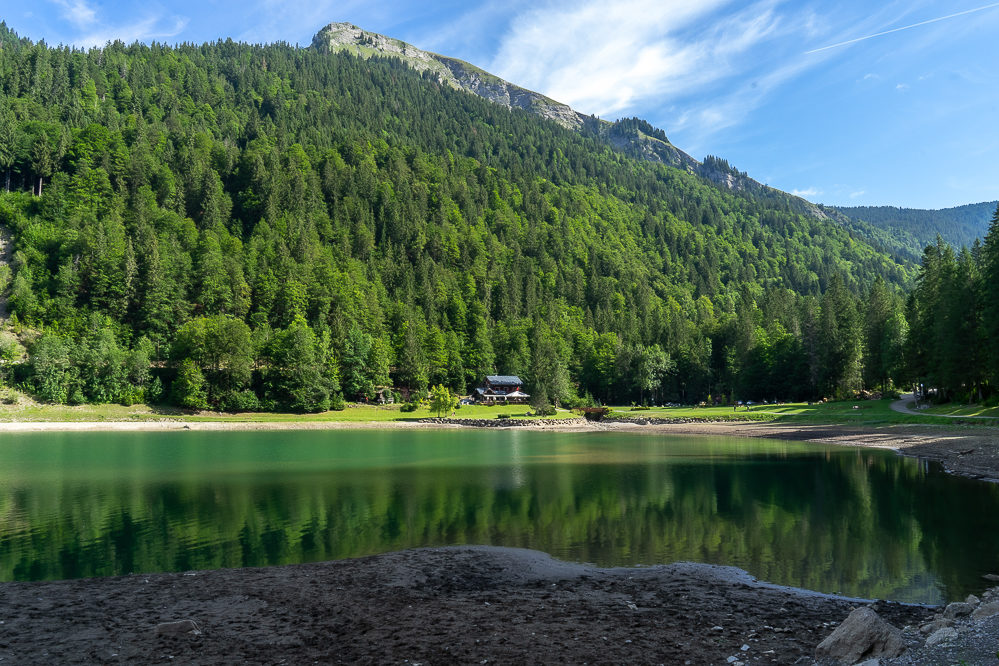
{"x": 852, "y": 103}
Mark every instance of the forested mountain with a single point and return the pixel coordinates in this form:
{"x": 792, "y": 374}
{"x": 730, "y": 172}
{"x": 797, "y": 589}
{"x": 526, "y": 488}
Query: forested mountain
{"x": 912, "y": 229}
{"x": 250, "y": 226}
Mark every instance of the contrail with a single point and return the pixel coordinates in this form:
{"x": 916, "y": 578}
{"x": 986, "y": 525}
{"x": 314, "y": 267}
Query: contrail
{"x": 906, "y": 27}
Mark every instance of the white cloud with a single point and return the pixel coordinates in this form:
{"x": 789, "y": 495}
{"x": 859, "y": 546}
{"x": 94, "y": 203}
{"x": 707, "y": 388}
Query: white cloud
{"x": 902, "y": 87}
{"x": 606, "y": 59}
{"x": 810, "y": 192}
{"x": 858, "y": 193}
{"x": 147, "y": 29}
{"x": 77, "y": 12}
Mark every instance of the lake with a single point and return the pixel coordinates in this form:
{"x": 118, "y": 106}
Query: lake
{"x": 857, "y": 522}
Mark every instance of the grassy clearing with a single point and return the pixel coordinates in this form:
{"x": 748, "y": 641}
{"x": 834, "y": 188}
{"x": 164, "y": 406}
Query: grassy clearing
{"x": 964, "y": 410}
{"x": 850, "y": 412}
{"x": 26, "y": 410}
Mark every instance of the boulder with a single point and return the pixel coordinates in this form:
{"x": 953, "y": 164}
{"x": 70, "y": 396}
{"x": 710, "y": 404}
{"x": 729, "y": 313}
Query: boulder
{"x": 986, "y": 610}
{"x": 973, "y": 601}
{"x": 862, "y": 636}
{"x": 941, "y": 635}
{"x": 958, "y": 609}
{"x": 939, "y": 623}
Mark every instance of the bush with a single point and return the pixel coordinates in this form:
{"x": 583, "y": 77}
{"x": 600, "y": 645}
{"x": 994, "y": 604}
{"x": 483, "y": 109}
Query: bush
{"x": 239, "y": 401}
{"x": 502, "y": 416}
{"x": 337, "y": 403}
{"x": 410, "y": 406}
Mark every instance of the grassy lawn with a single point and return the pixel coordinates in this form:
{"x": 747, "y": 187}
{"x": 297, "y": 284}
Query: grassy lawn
{"x": 867, "y": 412}
{"x": 352, "y": 414}
{"x": 964, "y": 410}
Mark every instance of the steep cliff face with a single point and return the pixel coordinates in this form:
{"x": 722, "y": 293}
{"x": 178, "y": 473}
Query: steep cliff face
{"x": 340, "y": 37}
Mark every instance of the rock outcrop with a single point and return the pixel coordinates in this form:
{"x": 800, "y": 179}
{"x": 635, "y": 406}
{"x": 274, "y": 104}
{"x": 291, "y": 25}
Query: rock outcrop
{"x": 340, "y": 37}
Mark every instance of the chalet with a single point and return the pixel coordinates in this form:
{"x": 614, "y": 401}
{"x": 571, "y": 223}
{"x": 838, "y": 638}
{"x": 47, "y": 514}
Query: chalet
{"x": 500, "y": 389}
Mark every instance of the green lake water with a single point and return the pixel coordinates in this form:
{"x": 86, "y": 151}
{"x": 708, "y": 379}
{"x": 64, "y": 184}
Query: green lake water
{"x": 857, "y": 522}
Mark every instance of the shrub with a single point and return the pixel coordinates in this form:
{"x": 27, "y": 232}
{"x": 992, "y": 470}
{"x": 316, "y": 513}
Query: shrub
{"x": 502, "y": 416}
{"x": 411, "y": 406}
{"x": 239, "y": 401}
{"x": 337, "y": 403}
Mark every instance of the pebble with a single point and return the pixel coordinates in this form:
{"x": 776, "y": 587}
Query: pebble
{"x": 744, "y": 647}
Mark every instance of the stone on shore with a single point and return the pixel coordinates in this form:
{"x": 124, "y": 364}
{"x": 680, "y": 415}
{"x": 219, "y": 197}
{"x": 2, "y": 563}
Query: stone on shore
{"x": 936, "y": 625}
{"x": 941, "y": 636}
{"x": 863, "y": 635}
{"x": 986, "y": 610}
{"x": 178, "y": 627}
{"x": 958, "y": 609}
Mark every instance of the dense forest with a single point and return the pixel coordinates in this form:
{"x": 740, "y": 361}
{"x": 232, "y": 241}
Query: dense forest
{"x": 953, "y": 345}
{"x": 912, "y": 229}
{"x": 267, "y": 227}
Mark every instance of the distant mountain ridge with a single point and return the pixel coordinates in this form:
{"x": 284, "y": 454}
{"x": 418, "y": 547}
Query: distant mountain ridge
{"x": 915, "y": 228}
{"x": 633, "y": 136}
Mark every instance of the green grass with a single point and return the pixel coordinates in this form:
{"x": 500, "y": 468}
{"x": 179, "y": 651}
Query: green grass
{"x": 963, "y": 410}
{"x": 352, "y": 414}
{"x": 867, "y": 412}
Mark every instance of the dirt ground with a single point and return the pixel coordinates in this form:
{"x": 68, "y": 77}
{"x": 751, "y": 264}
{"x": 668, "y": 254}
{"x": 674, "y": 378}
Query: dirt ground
{"x": 428, "y": 606}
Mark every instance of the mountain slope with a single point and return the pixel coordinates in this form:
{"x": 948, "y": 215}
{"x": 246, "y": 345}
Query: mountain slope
{"x": 633, "y": 136}
{"x": 914, "y": 228}
{"x": 278, "y": 226}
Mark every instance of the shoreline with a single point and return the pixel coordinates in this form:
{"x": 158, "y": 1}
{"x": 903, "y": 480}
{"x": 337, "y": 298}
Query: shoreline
{"x": 471, "y": 604}
{"x": 969, "y": 452}
{"x": 463, "y": 604}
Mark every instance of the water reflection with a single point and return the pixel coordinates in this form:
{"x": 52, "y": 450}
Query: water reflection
{"x": 863, "y": 523}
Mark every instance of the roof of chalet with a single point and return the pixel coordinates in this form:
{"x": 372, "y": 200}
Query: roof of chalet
{"x": 509, "y": 380}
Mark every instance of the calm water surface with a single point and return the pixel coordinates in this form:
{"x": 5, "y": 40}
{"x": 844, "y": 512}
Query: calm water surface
{"x": 857, "y": 522}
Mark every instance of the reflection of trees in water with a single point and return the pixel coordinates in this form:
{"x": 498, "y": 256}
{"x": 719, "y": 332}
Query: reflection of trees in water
{"x": 859, "y": 523}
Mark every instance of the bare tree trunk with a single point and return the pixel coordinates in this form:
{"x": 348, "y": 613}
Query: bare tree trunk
{"x": 39, "y": 186}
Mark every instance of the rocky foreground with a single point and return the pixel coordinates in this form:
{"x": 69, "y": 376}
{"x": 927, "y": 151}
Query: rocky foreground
{"x": 459, "y": 605}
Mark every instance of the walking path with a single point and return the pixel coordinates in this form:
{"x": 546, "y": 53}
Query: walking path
{"x": 902, "y": 407}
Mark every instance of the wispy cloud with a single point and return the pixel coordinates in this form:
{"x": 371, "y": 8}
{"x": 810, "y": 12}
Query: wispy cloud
{"x": 77, "y": 12}
{"x": 810, "y": 192}
{"x": 154, "y": 27}
{"x": 86, "y": 24}
{"x": 905, "y": 27}
{"x": 858, "y": 193}
{"x": 606, "y": 59}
